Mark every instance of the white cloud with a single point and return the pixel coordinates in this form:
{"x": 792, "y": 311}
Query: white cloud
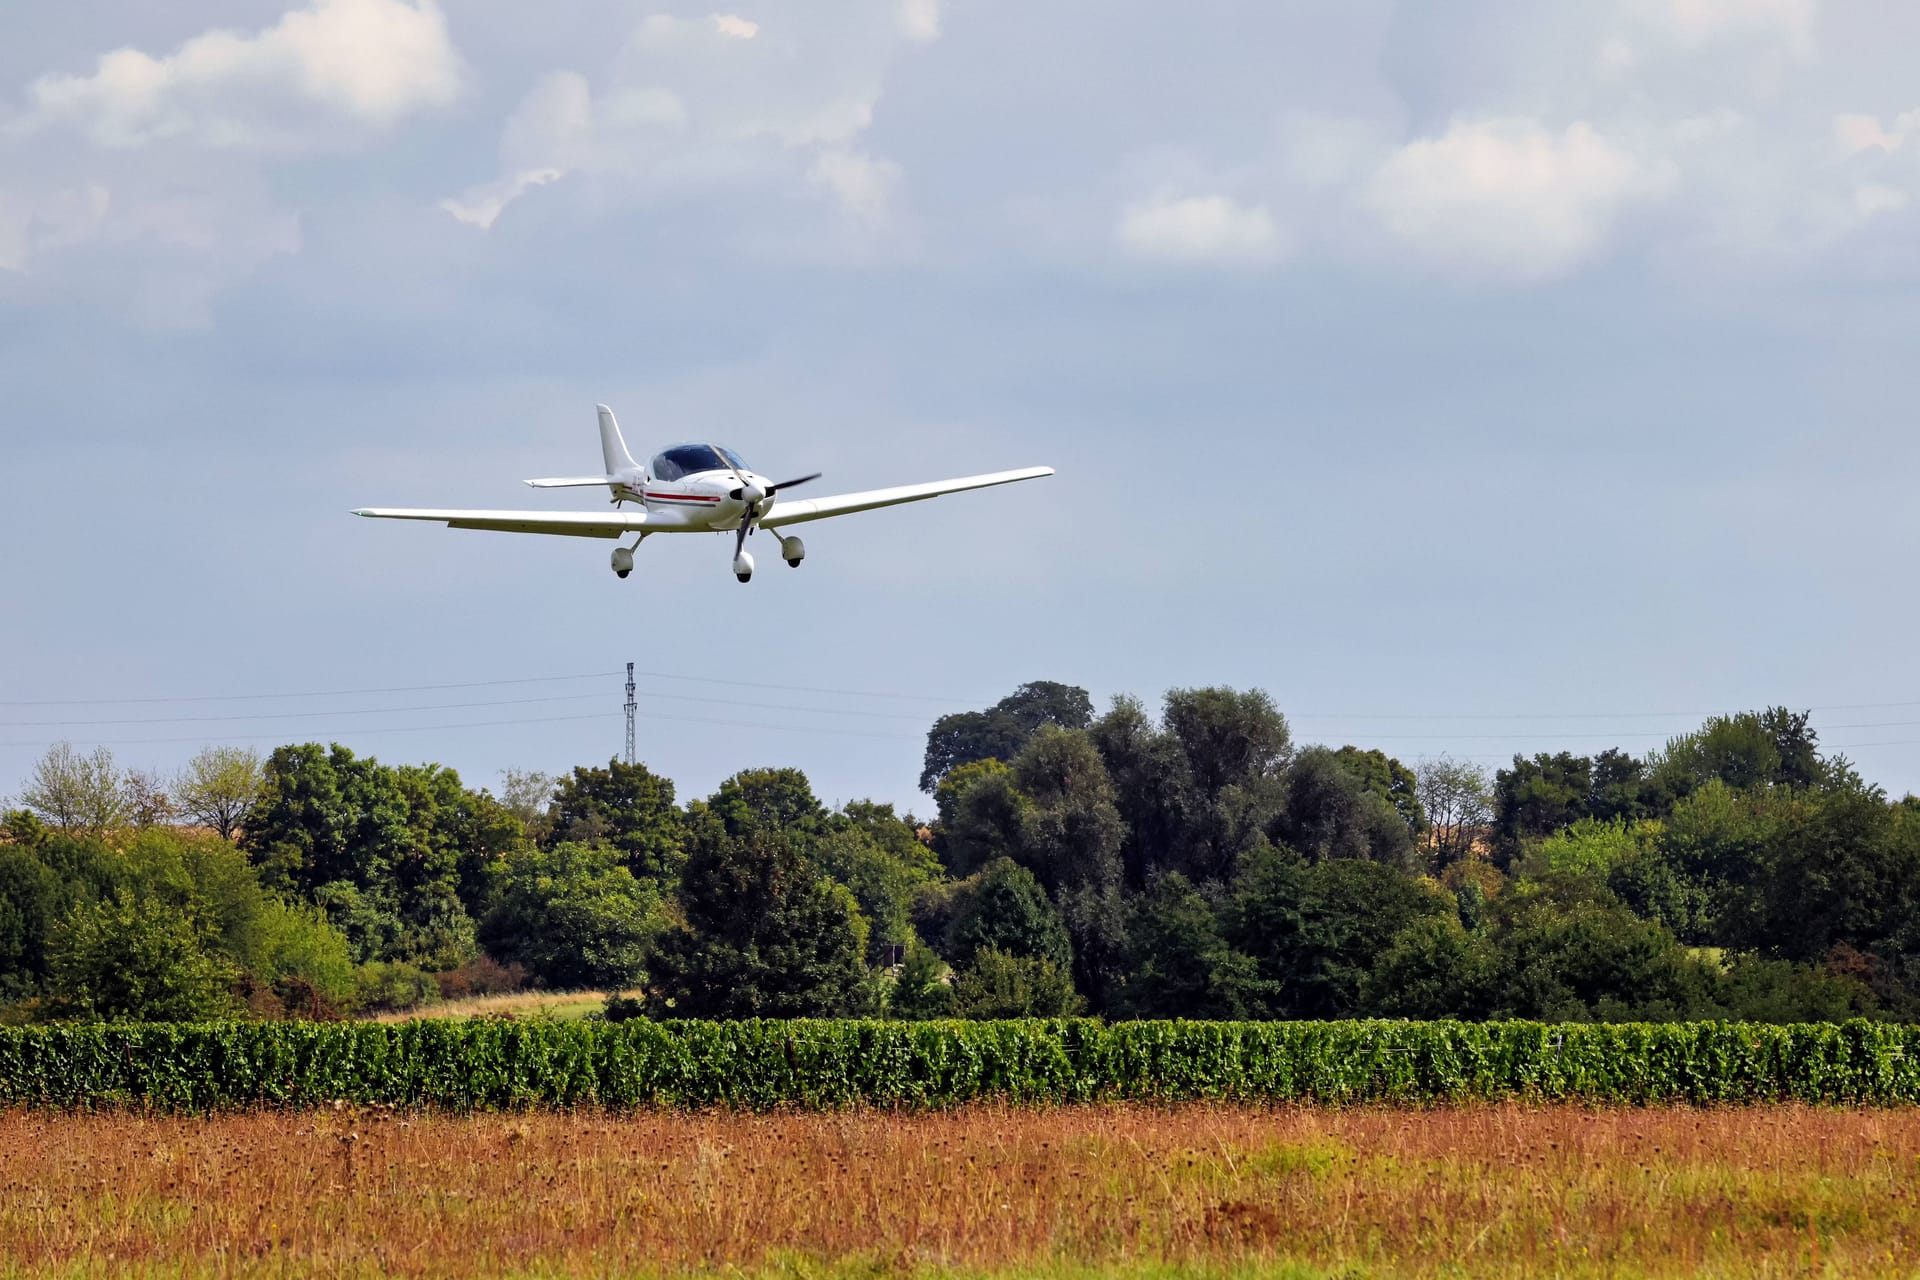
{"x": 481, "y": 206}
{"x": 863, "y": 186}
{"x": 1876, "y": 198}
{"x": 1693, "y": 23}
{"x": 1854, "y": 134}
{"x": 1506, "y": 197}
{"x": 920, "y": 20}
{"x": 367, "y": 61}
{"x": 1210, "y": 230}
{"x": 735, "y": 28}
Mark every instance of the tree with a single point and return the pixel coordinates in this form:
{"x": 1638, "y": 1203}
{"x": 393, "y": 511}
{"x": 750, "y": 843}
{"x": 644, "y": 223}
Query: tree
{"x": 1152, "y": 788}
{"x": 219, "y": 787}
{"x": 1004, "y": 907}
{"x": 998, "y": 985}
{"x": 1433, "y": 968}
{"x": 1387, "y": 778}
{"x": 1539, "y": 796}
{"x": 574, "y": 916}
{"x": 886, "y": 882}
{"x": 527, "y": 794}
{"x": 144, "y": 799}
{"x": 1236, "y": 746}
{"x": 770, "y": 800}
{"x": 999, "y": 732}
{"x": 982, "y": 816}
{"x": 74, "y": 792}
{"x": 1331, "y": 813}
{"x": 1070, "y": 831}
{"x": 138, "y": 958}
{"x": 923, "y": 988}
{"x": 628, "y": 806}
{"x": 1455, "y": 797}
{"x": 32, "y": 900}
{"x": 766, "y": 935}
{"x": 1180, "y": 965}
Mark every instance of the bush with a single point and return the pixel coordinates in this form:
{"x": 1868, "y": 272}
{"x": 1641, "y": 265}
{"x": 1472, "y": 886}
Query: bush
{"x": 765, "y": 1064}
{"x": 394, "y": 987}
{"x": 998, "y": 985}
{"x": 481, "y": 976}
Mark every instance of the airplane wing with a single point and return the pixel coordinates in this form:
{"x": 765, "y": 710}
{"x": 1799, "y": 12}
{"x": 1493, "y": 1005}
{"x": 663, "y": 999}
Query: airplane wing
{"x": 576, "y": 524}
{"x": 805, "y": 509}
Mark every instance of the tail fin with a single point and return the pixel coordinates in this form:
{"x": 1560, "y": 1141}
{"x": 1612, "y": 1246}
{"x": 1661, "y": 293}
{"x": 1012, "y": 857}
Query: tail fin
{"x": 612, "y": 447}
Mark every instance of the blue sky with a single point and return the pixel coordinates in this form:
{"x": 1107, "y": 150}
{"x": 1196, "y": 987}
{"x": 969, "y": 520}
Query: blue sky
{"x": 1475, "y": 378}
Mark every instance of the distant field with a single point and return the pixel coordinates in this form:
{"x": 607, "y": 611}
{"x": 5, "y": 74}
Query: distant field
{"x": 1506, "y": 1190}
{"x": 562, "y": 1005}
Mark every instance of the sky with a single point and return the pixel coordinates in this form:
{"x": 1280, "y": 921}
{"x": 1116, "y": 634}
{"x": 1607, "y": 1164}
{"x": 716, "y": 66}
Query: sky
{"x": 1476, "y": 378}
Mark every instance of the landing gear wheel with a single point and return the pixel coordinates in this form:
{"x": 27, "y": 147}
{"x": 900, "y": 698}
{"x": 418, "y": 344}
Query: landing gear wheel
{"x": 623, "y": 561}
{"x": 621, "y": 573}
{"x": 743, "y": 566}
{"x": 744, "y": 577}
{"x": 793, "y": 564}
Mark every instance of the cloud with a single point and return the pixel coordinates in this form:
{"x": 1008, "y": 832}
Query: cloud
{"x": 1854, "y": 134}
{"x": 719, "y": 104}
{"x": 863, "y": 186}
{"x": 1505, "y": 197}
{"x": 368, "y": 62}
{"x": 1200, "y": 230}
{"x": 1694, "y": 23}
{"x": 920, "y": 20}
{"x": 481, "y": 206}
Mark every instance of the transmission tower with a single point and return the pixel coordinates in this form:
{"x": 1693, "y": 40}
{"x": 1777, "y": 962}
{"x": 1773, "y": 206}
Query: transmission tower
{"x": 632, "y": 706}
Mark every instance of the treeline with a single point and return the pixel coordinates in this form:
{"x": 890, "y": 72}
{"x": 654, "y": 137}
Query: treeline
{"x": 1187, "y": 862}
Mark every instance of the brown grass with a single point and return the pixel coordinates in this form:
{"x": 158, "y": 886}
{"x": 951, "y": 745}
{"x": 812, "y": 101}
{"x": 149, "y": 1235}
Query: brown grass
{"x": 1507, "y": 1190}
{"x": 562, "y": 1005}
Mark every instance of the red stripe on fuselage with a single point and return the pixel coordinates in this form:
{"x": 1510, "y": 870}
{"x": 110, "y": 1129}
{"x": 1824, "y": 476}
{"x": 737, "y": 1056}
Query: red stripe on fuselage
{"x": 677, "y": 497}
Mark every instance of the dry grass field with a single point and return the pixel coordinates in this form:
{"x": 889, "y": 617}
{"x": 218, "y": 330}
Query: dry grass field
{"x": 1216, "y": 1191}
{"x": 563, "y": 1006}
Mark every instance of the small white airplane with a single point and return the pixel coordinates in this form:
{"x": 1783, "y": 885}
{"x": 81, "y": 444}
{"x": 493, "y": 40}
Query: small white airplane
{"x": 691, "y": 488}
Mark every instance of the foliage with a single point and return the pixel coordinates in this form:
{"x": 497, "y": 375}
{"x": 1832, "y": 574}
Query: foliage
{"x": 1002, "y": 730}
{"x": 1179, "y": 964}
{"x": 138, "y": 957}
{"x": 1456, "y": 797}
{"x": 81, "y": 794}
{"x": 923, "y": 987}
{"x": 998, "y": 985}
{"x": 768, "y": 1064}
{"x": 574, "y": 917}
{"x": 626, "y": 805}
{"x": 1004, "y": 907}
{"x": 764, "y": 934}
{"x": 1392, "y": 781}
{"x": 219, "y": 786}
{"x": 1332, "y": 813}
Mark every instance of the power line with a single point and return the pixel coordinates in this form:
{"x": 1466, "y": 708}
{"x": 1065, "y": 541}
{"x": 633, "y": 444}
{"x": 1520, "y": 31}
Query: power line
{"x": 705, "y": 699}
{"x": 488, "y": 724}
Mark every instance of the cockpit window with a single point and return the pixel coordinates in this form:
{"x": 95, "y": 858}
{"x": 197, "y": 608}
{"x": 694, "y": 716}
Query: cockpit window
{"x": 690, "y": 459}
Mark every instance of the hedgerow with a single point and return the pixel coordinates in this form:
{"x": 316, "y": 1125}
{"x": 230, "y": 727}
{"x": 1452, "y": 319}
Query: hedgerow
{"x": 830, "y": 1064}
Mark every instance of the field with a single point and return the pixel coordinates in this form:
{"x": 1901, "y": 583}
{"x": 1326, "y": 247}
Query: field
{"x": 1506, "y": 1189}
{"x": 563, "y": 1006}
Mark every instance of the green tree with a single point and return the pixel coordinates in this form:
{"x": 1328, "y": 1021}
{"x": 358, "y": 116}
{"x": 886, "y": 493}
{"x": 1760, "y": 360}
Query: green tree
{"x": 766, "y": 934}
{"x": 1236, "y": 746}
{"x": 1002, "y": 730}
{"x": 1070, "y": 831}
{"x": 219, "y": 786}
{"x": 75, "y": 793}
{"x": 999, "y": 985}
{"x": 1152, "y": 789}
{"x": 628, "y": 806}
{"x": 138, "y": 958}
{"x": 574, "y": 916}
{"x": 923, "y": 988}
{"x": 1387, "y": 778}
{"x": 1004, "y": 907}
{"x": 1537, "y": 797}
{"x": 1456, "y": 798}
{"x": 770, "y": 800}
{"x": 887, "y": 875}
{"x": 32, "y": 901}
{"x": 982, "y": 816}
{"x": 1433, "y": 968}
{"x": 1332, "y": 813}
{"x": 1180, "y": 965}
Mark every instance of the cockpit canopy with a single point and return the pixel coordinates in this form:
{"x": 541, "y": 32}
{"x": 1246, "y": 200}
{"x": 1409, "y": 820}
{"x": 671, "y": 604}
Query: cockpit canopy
{"x": 690, "y": 459}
